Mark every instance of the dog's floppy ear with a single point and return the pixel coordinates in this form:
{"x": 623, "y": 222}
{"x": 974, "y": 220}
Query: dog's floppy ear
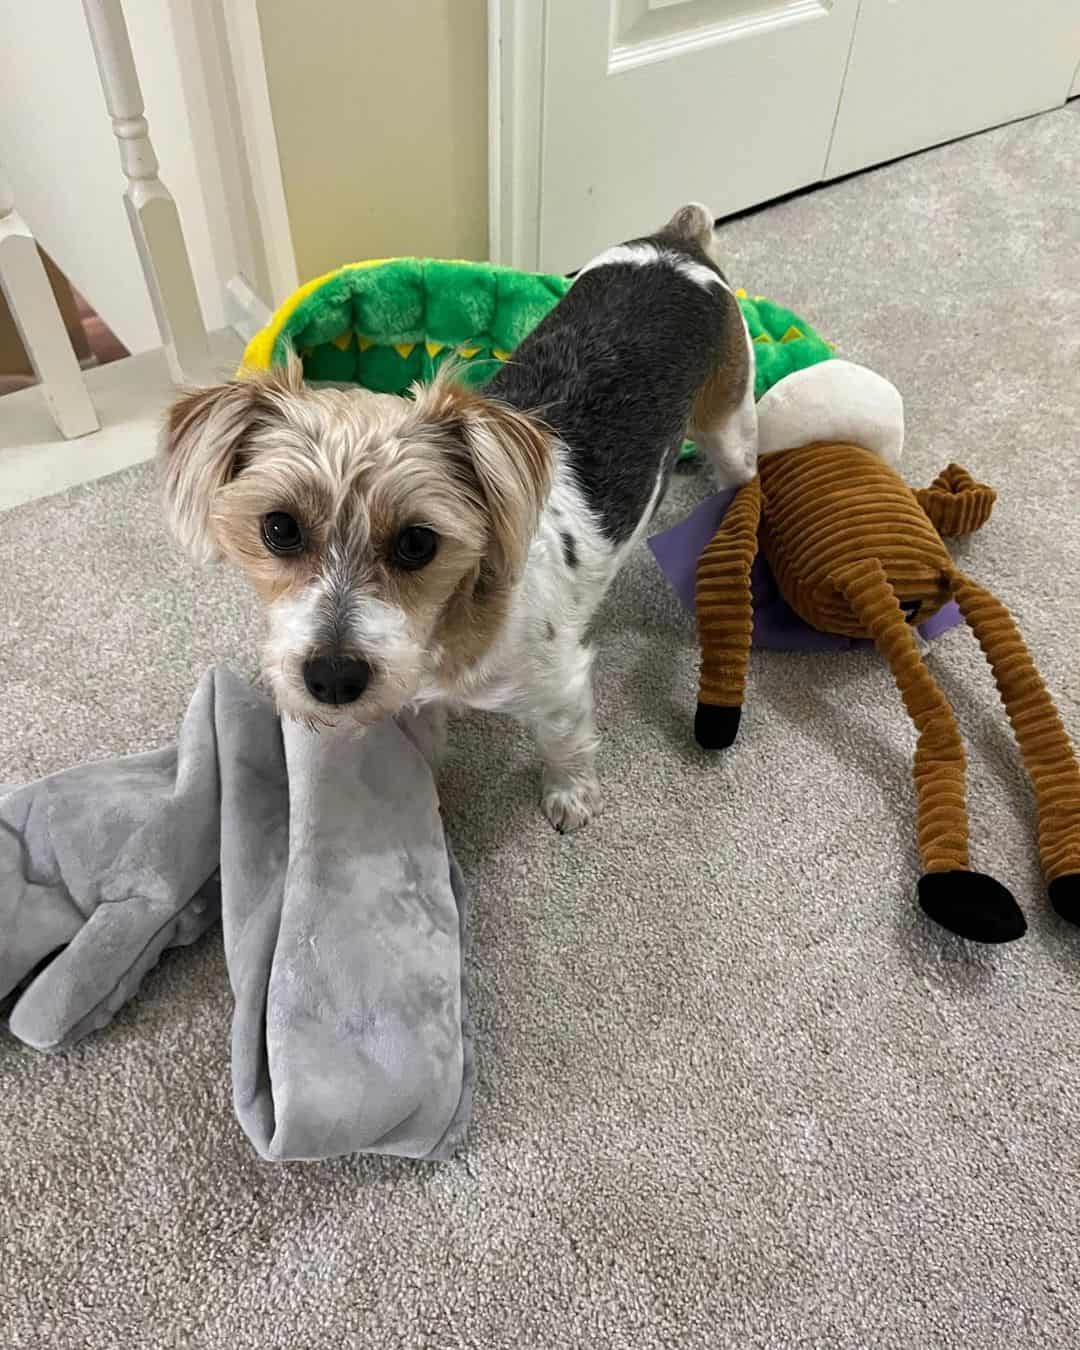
{"x": 507, "y": 455}
{"x": 202, "y": 445}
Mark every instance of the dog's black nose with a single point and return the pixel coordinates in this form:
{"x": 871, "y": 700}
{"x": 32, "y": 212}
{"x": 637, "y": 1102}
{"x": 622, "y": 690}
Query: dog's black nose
{"x": 336, "y": 679}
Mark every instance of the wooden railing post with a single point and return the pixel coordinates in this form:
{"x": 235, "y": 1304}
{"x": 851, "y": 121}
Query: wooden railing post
{"x": 152, "y": 213}
{"x": 33, "y": 306}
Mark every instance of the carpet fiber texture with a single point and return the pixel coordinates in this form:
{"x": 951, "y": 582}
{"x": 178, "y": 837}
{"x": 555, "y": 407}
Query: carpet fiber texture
{"x": 733, "y": 1089}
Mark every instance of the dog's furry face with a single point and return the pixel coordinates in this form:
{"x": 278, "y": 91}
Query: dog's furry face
{"x": 379, "y": 531}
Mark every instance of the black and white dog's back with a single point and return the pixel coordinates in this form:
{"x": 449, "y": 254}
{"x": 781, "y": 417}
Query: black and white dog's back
{"x": 648, "y": 346}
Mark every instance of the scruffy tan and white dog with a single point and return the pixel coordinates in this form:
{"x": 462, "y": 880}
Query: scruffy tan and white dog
{"x": 451, "y": 548}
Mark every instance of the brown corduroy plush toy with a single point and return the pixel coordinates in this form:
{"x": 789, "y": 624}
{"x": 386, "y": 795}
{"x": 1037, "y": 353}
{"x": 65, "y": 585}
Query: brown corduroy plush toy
{"x": 857, "y": 552}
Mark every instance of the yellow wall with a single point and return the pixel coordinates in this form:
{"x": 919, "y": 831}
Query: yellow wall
{"x": 380, "y": 110}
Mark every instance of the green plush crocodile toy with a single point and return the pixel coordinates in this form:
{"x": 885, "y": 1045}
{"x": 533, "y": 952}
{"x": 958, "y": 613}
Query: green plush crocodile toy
{"x": 388, "y": 322}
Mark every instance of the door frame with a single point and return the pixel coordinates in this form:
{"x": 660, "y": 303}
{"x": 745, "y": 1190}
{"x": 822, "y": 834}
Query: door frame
{"x": 517, "y": 52}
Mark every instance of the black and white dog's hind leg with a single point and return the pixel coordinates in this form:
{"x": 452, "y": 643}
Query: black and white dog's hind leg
{"x": 724, "y": 420}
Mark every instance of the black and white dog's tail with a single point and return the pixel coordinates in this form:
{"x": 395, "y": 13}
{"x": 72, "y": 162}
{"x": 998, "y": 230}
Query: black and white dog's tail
{"x": 692, "y": 229}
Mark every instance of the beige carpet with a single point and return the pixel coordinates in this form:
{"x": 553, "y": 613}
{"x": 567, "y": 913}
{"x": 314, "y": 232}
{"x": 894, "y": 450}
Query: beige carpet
{"x": 733, "y": 1090}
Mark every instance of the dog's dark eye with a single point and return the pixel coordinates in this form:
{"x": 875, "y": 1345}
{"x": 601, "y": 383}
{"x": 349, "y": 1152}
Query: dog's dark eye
{"x": 281, "y": 533}
{"x": 415, "y": 547}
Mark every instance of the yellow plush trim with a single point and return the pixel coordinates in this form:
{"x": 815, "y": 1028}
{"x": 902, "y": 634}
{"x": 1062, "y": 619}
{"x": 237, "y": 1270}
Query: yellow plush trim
{"x": 259, "y": 350}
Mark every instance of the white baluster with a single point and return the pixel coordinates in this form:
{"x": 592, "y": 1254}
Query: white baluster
{"x": 30, "y": 298}
{"x": 155, "y": 222}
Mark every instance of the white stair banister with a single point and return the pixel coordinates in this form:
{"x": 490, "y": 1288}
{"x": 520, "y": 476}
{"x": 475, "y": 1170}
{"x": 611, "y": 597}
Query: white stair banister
{"x": 152, "y": 213}
{"x": 33, "y": 306}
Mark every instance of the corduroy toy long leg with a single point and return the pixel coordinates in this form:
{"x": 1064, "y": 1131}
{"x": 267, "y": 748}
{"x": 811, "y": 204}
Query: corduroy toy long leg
{"x": 969, "y": 903}
{"x": 725, "y": 619}
{"x": 1048, "y": 754}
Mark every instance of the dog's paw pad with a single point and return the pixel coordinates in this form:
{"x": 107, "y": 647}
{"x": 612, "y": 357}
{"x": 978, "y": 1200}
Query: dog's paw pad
{"x": 570, "y": 805}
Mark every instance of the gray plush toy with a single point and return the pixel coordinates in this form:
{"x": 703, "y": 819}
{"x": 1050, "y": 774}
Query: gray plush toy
{"x": 342, "y": 909}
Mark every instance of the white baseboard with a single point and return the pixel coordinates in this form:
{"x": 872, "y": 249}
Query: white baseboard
{"x": 246, "y": 311}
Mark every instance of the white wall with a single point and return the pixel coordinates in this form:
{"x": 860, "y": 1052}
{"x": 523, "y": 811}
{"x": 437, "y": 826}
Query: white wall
{"x": 57, "y": 144}
{"x": 380, "y": 112}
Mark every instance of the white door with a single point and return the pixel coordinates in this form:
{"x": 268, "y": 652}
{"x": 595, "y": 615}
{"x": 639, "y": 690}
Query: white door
{"x": 609, "y": 113}
{"x": 641, "y": 105}
{"x": 925, "y": 71}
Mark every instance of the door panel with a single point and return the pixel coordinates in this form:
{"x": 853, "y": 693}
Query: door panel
{"x": 925, "y": 71}
{"x": 651, "y": 103}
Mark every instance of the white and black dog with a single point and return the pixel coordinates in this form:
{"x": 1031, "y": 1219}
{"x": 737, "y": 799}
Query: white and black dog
{"x": 451, "y": 548}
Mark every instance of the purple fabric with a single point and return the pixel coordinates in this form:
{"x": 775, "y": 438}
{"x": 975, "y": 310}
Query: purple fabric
{"x": 776, "y": 624}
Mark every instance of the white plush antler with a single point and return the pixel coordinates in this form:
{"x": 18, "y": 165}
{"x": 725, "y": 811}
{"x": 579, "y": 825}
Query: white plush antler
{"x": 833, "y": 401}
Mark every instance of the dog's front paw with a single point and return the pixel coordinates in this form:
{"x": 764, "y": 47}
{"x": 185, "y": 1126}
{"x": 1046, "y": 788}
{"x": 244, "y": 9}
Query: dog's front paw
{"x": 570, "y": 803}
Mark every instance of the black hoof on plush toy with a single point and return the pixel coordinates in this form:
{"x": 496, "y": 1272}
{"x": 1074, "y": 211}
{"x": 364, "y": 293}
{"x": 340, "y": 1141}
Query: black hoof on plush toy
{"x": 972, "y": 905}
{"x": 715, "y": 728}
{"x": 1064, "y": 893}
